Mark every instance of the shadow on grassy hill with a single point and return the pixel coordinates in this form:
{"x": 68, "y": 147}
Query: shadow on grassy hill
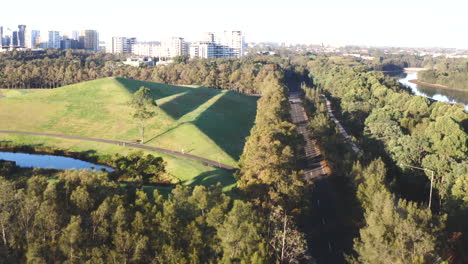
{"x": 226, "y": 122}
{"x": 187, "y": 102}
{"x": 158, "y": 90}
{"x": 212, "y": 177}
{"x": 229, "y": 128}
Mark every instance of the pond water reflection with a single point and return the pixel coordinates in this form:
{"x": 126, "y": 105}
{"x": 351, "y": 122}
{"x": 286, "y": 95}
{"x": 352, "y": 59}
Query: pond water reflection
{"x": 50, "y": 162}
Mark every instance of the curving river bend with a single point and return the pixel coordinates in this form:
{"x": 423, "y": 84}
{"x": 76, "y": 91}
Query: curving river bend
{"x": 443, "y": 95}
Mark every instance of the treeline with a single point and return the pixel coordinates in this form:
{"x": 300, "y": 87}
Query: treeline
{"x": 55, "y": 68}
{"x": 396, "y": 63}
{"x": 452, "y": 73}
{"x": 268, "y": 175}
{"x": 404, "y": 130}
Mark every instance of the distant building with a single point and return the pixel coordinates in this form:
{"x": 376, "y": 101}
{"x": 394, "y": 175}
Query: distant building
{"x": 81, "y": 40}
{"x": 173, "y": 47}
{"x": 54, "y": 40}
{"x": 233, "y": 39}
{"x": 6, "y": 41}
{"x": 32, "y": 39}
{"x": 75, "y": 35}
{"x": 21, "y": 36}
{"x": 68, "y": 43}
{"x": 228, "y": 44}
{"x": 150, "y": 49}
{"x": 1, "y": 36}
{"x": 90, "y": 40}
{"x": 102, "y": 46}
{"x": 137, "y": 62}
{"x": 121, "y": 45}
{"x": 14, "y": 41}
{"x": 204, "y": 49}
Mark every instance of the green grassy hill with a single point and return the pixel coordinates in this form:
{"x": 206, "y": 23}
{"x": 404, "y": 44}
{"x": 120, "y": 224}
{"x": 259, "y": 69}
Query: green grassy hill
{"x": 201, "y": 121}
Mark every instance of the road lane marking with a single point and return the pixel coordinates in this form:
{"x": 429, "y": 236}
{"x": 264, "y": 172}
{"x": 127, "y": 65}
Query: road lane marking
{"x": 323, "y": 221}
{"x": 329, "y": 246}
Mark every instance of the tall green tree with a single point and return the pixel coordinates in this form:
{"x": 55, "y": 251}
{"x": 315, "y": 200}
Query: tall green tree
{"x": 144, "y": 108}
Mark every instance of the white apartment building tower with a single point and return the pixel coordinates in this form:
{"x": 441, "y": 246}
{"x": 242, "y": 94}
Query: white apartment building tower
{"x": 147, "y": 49}
{"x": 173, "y": 47}
{"x": 121, "y": 45}
{"x": 233, "y": 39}
{"x": 228, "y": 44}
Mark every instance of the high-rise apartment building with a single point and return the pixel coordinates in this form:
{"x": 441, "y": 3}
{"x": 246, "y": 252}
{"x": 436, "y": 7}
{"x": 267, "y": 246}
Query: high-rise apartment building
{"x": 21, "y": 36}
{"x": 14, "y": 37}
{"x": 54, "y": 40}
{"x": 1, "y": 36}
{"x": 75, "y": 35}
{"x": 6, "y": 41}
{"x": 150, "y": 49}
{"x": 173, "y": 47}
{"x": 228, "y": 44}
{"x": 90, "y": 40}
{"x": 233, "y": 39}
{"x": 32, "y": 39}
{"x": 121, "y": 45}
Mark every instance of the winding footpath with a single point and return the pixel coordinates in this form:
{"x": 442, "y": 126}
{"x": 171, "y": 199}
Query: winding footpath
{"x": 127, "y": 144}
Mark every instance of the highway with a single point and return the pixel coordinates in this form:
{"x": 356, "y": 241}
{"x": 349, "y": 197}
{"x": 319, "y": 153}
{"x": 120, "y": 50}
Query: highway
{"x": 324, "y": 239}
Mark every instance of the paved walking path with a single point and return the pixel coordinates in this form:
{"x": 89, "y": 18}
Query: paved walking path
{"x": 126, "y": 144}
{"x": 340, "y": 127}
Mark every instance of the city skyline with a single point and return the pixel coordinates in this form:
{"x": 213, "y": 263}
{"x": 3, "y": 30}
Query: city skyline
{"x": 361, "y": 22}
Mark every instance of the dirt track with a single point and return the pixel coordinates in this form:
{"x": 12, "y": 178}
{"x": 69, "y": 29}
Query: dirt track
{"x": 122, "y": 143}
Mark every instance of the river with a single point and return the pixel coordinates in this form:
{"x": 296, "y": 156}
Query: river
{"x": 443, "y": 95}
{"x": 50, "y": 162}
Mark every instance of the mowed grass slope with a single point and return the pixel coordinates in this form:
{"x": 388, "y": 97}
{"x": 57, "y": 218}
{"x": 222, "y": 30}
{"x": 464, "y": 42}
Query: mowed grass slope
{"x": 201, "y": 121}
{"x": 205, "y": 122}
{"x": 187, "y": 171}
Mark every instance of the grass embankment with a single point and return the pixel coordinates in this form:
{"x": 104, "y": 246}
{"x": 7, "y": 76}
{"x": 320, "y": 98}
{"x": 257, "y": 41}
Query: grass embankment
{"x": 200, "y": 121}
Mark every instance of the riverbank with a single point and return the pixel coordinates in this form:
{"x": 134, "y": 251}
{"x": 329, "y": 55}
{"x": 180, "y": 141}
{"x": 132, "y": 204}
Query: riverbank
{"x": 413, "y": 70}
{"x": 436, "y": 86}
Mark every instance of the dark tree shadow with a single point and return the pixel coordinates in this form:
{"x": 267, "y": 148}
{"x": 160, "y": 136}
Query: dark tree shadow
{"x": 227, "y": 121}
{"x": 188, "y": 102}
{"x": 158, "y": 90}
{"x": 212, "y": 177}
{"x": 229, "y": 128}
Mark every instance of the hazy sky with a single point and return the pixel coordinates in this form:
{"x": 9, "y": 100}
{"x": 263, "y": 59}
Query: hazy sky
{"x": 413, "y": 23}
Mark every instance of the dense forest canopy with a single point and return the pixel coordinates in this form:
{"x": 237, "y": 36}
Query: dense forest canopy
{"x": 401, "y": 129}
{"x": 452, "y": 73}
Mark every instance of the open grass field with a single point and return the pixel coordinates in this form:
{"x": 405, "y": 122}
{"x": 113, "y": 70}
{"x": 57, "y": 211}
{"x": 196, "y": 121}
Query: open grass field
{"x": 205, "y": 122}
{"x": 17, "y": 92}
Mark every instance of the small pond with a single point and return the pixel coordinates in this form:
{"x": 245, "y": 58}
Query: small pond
{"x": 50, "y": 162}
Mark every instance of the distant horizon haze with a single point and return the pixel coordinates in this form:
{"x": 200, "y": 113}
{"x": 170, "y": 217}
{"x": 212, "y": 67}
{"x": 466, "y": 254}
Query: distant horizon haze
{"x": 395, "y": 23}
